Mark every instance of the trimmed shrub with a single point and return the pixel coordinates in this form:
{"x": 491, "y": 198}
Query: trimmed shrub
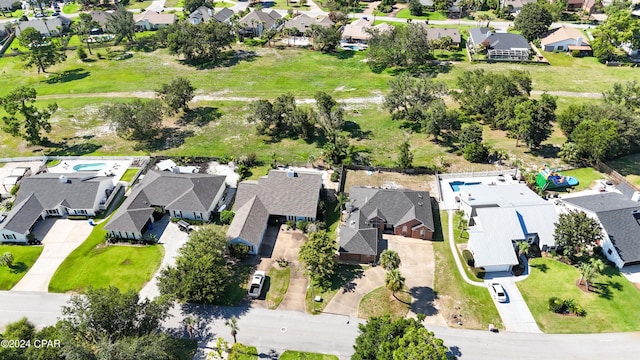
{"x": 290, "y": 225}
{"x": 335, "y": 176}
{"x": 479, "y": 272}
{"x": 239, "y": 251}
{"x": 14, "y": 190}
{"x": 301, "y": 225}
{"x": 226, "y": 216}
{"x": 555, "y": 304}
{"x": 468, "y": 257}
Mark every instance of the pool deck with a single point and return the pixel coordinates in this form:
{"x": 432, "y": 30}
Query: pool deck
{"x": 448, "y": 200}
{"x": 116, "y": 167}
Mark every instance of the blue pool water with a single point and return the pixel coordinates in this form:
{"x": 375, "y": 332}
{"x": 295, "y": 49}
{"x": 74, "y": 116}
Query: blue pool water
{"x": 89, "y": 167}
{"x": 455, "y": 185}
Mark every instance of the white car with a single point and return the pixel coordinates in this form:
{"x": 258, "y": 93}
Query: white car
{"x": 497, "y": 291}
{"x": 255, "y": 288}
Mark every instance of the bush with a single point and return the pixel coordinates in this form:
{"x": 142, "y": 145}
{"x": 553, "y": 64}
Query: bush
{"x": 255, "y": 42}
{"x": 290, "y": 225}
{"x": 479, "y": 272}
{"x": 321, "y": 225}
{"x": 239, "y": 251}
{"x": 77, "y": 217}
{"x": 226, "y": 216}
{"x": 468, "y": 257}
{"x": 335, "y": 176}
{"x": 14, "y": 190}
{"x": 556, "y": 304}
{"x": 82, "y": 54}
{"x": 575, "y": 53}
{"x": 301, "y": 225}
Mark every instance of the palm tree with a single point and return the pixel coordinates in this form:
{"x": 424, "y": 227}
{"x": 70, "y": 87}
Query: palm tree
{"x": 389, "y": 260}
{"x": 394, "y": 281}
{"x": 342, "y": 200}
{"x": 232, "y": 324}
{"x": 523, "y": 248}
{"x": 588, "y": 270}
{"x": 191, "y": 322}
{"x": 6, "y": 259}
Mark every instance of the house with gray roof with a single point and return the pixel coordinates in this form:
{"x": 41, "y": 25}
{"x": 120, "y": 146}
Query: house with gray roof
{"x": 619, "y": 217}
{"x": 372, "y": 212}
{"x": 101, "y": 17}
{"x": 257, "y": 21}
{"x": 201, "y": 14}
{"x": 287, "y": 194}
{"x": 56, "y": 195}
{"x": 185, "y": 196}
{"x": 45, "y": 26}
{"x": 303, "y": 22}
{"x": 500, "y": 216}
{"x": 224, "y": 15}
{"x": 498, "y": 46}
{"x": 7, "y": 5}
{"x": 435, "y": 34}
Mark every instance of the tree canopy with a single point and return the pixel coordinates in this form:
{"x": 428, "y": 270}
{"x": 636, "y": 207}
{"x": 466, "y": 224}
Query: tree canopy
{"x": 203, "y": 42}
{"x": 405, "y": 156}
{"x": 577, "y": 233}
{"x": 201, "y": 273}
{"x": 399, "y": 47}
{"x": 318, "y": 254}
{"x": 42, "y": 52}
{"x": 121, "y": 24}
{"x": 382, "y": 338}
{"x": 620, "y": 27}
{"x": 176, "y": 95}
{"x": 533, "y": 20}
{"x": 23, "y": 118}
{"x": 191, "y": 5}
{"x": 533, "y": 121}
{"x": 137, "y": 120}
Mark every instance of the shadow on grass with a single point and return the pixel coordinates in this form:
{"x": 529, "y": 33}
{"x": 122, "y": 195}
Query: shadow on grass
{"x": 62, "y": 149}
{"x": 546, "y": 151}
{"x": 169, "y": 138}
{"x": 18, "y": 268}
{"x": 344, "y": 276}
{"x": 355, "y": 131}
{"x": 68, "y": 75}
{"x": 541, "y": 267}
{"x": 437, "y": 233}
{"x": 342, "y": 54}
{"x": 200, "y": 116}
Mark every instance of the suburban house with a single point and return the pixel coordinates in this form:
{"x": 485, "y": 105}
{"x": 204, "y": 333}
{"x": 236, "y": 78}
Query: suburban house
{"x": 185, "y": 196}
{"x": 100, "y": 17}
{"x": 360, "y": 30}
{"x": 585, "y": 5}
{"x": 257, "y": 21}
{"x": 7, "y": 5}
{"x": 565, "y": 38}
{"x": 498, "y": 46}
{"x": 302, "y": 23}
{"x": 46, "y": 26}
{"x": 372, "y": 212}
{"x": 51, "y": 194}
{"x": 200, "y": 15}
{"x": 282, "y": 194}
{"x": 499, "y": 216}
{"x": 151, "y": 20}
{"x": 619, "y": 216}
{"x": 224, "y": 15}
{"x": 514, "y": 6}
{"x": 435, "y": 34}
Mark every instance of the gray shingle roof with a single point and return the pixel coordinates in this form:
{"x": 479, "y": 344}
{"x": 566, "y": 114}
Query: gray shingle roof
{"x": 23, "y": 215}
{"x": 202, "y": 14}
{"x": 619, "y": 217}
{"x": 395, "y": 206}
{"x": 223, "y": 15}
{"x": 359, "y": 241}
{"x": 44, "y": 26}
{"x": 498, "y": 41}
{"x": 75, "y": 194}
{"x": 437, "y": 33}
{"x": 303, "y": 22}
{"x": 185, "y": 192}
{"x": 259, "y": 16}
{"x": 249, "y": 222}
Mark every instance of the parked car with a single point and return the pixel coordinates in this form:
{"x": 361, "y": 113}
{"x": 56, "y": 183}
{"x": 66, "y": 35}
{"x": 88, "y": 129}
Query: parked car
{"x": 256, "y": 284}
{"x": 497, "y": 291}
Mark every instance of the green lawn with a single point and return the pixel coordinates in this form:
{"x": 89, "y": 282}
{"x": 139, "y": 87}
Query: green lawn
{"x": 301, "y": 355}
{"x": 381, "y": 302}
{"x": 71, "y": 8}
{"x": 75, "y": 41}
{"x": 95, "y": 264}
{"x": 278, "y": 286}
{"x": 406, "y": 14}
{"x": 129, "y": 174}
{"x": 586, "y": 177}
{"x": 243, "y": 352}
{"x": 628, "y": 166}
{"x": 282, "y": 4}
{"x": 23, "y": 259}
{"x": 139, "y": 4}
{"x": 613, "y": 307}
{"x": 175, "y": 4}
{"x": 344, "y": 274}
{"x": 224, "y": 4}
{"x": 474, "y": 302}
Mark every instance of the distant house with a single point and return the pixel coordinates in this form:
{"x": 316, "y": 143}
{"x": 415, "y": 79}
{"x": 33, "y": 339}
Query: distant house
{"x": 372, "y": 212}
{"x": 435, "y": 34}
{"x": 282, "y": 194}
{"x": 7, "y": 5}
{"x": 46, "y": 26}
{"x": 257, "y": 21}
{"x": 100, "y": 17}
{"x": 619, "y": 216}
{"x": 185, "y": 196}
{"x": 224, "y": 16}
{"x": 499, "y": 46}
{"x": 201, "y": 14}
{"x": 360, "y": 30}
{"x": 302, "y": 23}
{"x": 585, "y": 5}
{"x": 515, "y": 6}
{"x": 565, "y": 38}
{"x": 500, "y": 216}
{"x": 151, "y": 20}
{"x": 56, "y": 195}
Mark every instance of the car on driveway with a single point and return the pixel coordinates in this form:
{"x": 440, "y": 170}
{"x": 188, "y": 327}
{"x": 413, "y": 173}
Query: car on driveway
{"x": 256, "y": 284}
{"x": 497, "y": 291}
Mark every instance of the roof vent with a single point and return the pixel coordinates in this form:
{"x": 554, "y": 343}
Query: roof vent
{"x": 420, "y": 203}
{"x": 63, "y": 179}
{"x": 419, "y": 196}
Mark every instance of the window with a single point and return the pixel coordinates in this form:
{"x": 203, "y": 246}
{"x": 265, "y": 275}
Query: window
{"x": 422, "y": 232}
{"x": 9, "y": 236}
{"x": 609, "y": 251}
{"x": 404, "y": 230}
{"x": 52, "y": 212}
{"x": 560, "y": 47}
{"x": 83, "y": 212}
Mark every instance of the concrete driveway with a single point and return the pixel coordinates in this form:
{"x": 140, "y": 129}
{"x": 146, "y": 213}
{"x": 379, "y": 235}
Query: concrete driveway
{"x": 515, "y": 313}
{"x": 417, "y": 266}
{"x": 347, "y": 300}
{"x": 59, "y": 237}
{"x": 172, "y": 239}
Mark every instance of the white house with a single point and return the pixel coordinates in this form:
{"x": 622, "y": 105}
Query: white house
{"x": 151, "y": 20}
{"x": 565, "y": 38}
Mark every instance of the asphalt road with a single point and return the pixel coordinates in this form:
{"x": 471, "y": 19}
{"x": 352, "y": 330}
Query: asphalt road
{"x": 335, "y": 334}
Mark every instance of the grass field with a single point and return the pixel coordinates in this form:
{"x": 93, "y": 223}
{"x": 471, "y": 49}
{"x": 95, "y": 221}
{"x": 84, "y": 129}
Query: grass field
{"x": 138, "y": 4}
{"x": 628, "y": 166}
{"x": 612, "y": 307}
{"x": 473, "y": 302}
{"x": 281, "y": 4}
{"x": 71, "y": 8}
{"x": 406, "y": 14}
{"x": 243, "y": 352}
{"x": 23, "y": 259}
{"x": 176, "y": 3}
{"x": 586, "y": 177}
{"x": 301, "y": 355}
{"x": 381, "y": 302}
{"x": 95, "y": 264}
{"x": 278, "y": 286}
{"x": 129, "y": 174}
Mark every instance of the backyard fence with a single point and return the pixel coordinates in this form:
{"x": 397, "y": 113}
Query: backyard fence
{"x": 615, "y": 176}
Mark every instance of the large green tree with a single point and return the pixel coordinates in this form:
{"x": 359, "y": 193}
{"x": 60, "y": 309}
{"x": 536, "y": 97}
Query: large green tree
{"x": 325, "y": 39}
{"x": 203, "y": 42}
{"x": 283, "y": 118}
{"x": 42, "y": 52}
{"x": 121, "y": 24}
{"x": 137, "y": 120}
{"x": 389, "y": 259}
{"x": 533, "y": 20}
{"x": 176, "y": 95}
{"x": 533, "y": 121}
{"x": 83, "y": 28}
{"x": 382, "y": 338}
{"x": 201, "y": 273}
{"x": 191, "y": 5}
{"x": 405, "y": 156}
{"x": 399, "y": 47}
{"x": 577, "y": 233}
{"x": 619, "y": 28}
{"x": 23, "y": 118}
{"x": 318, "y": 254}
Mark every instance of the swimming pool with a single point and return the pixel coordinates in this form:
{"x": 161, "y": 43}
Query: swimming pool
{"x": 455, "y": 185}
{"x": 89, "y": 167}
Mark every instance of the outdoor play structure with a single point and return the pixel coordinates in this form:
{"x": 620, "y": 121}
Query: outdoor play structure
{"x": 550, "y": 179}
